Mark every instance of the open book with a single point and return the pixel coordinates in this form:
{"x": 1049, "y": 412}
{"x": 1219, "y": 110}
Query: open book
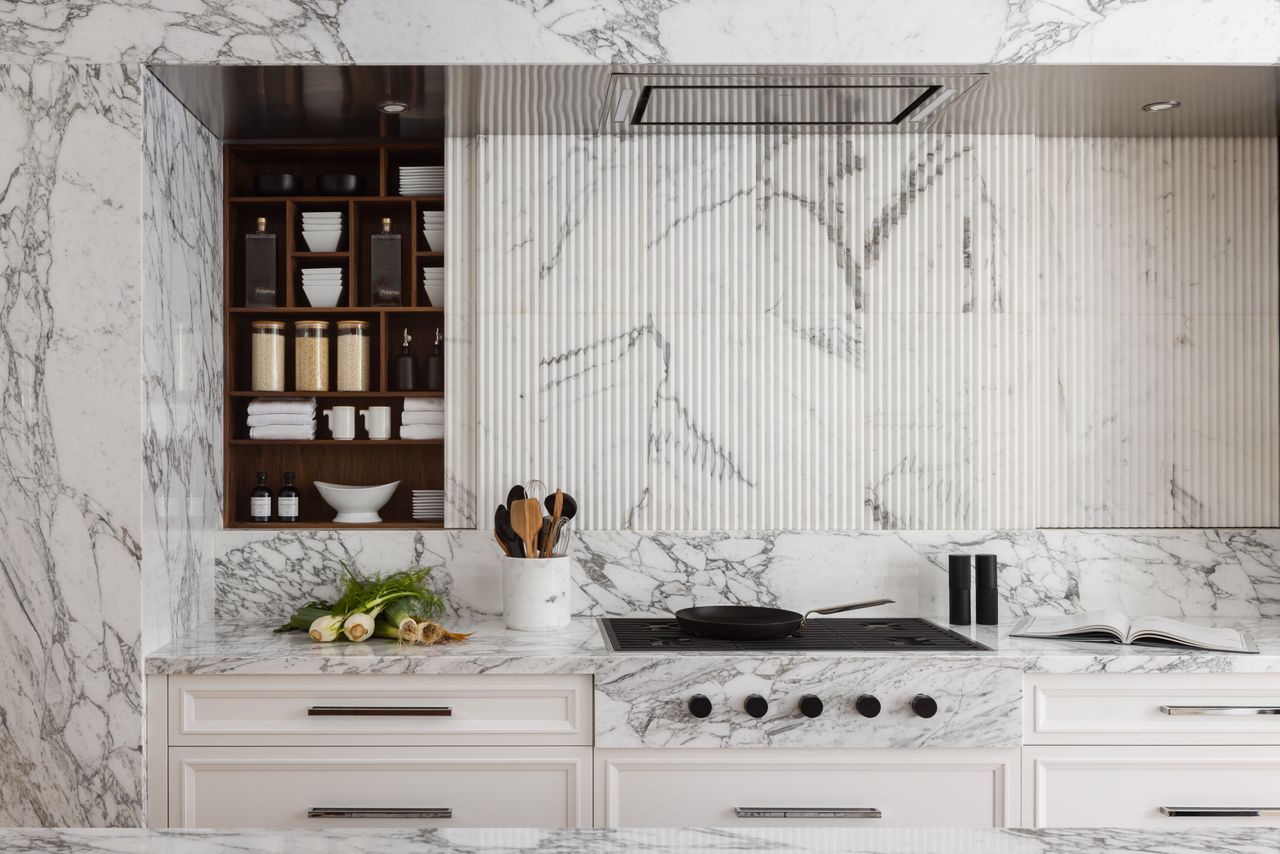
{"x": 1115, "y": 627}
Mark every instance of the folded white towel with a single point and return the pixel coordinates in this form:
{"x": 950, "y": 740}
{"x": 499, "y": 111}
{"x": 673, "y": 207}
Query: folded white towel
{"x": 422, "y": 417}
{"x": 424, "y": 404}
{"x": 275, "y": 418}
{"x": 422, "y": 431}
{"x": 284, "y": 431}
{"x": 295, "y": 405}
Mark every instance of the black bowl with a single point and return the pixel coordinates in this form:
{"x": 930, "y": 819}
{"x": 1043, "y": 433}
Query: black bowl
{"x": 339, "y": 184}
{"x": 277, "y": 184}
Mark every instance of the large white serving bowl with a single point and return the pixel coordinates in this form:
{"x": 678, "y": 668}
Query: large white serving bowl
{"x": 356, "y": 504}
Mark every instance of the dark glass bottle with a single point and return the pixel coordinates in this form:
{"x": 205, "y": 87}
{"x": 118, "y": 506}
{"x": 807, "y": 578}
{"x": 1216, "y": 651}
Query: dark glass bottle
{"x": 384, "y": 266}
{"x": 260, "y": 500}
{"x": 260, "y": 286}
{"x": 287, "y": 502}
{"x": 435, "y": 366}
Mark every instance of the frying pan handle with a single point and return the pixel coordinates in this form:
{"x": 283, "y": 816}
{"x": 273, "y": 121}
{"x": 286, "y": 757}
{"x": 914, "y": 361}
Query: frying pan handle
{"x": 853, "y": 606}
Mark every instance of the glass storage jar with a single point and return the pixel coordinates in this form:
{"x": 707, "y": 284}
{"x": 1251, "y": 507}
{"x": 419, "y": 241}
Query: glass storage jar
{"x": 311, "y": 355}
{"x": 353, "y": 355}
{"x": 267, "y": 356}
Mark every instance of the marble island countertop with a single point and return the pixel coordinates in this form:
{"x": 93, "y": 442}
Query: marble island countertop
{"x": 653, "y": 840}
{"x": 253, "y": 648}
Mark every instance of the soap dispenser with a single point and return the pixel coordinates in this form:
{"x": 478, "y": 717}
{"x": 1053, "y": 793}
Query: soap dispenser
{"x": 435, "y": 365}
{"x": 406, "y": 366}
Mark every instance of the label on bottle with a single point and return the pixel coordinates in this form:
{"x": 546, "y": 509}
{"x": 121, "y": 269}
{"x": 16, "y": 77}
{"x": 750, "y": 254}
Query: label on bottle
{"x": 260, "y": 506}
{"x": 288, "y": 507}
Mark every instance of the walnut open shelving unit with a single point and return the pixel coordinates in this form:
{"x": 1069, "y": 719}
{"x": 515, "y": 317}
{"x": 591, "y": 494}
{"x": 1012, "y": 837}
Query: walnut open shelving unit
{"x": 417, "y": 464}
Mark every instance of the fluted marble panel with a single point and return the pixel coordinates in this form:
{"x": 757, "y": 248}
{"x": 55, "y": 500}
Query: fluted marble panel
{"x": 181, "y": 364}
{"x": 768, "y": 331}
{"x": 70, "y": 473}
{"x": 649, "y": 840}
{"x": 1169, "y": 572}
{"x": 642, "y": 31}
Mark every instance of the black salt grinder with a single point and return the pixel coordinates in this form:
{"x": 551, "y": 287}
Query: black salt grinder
{"x": 958, "y": 580}
{"x": 988, "y": 599}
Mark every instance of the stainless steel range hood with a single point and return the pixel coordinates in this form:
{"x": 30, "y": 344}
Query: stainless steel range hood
{"x": 649, "y": 102}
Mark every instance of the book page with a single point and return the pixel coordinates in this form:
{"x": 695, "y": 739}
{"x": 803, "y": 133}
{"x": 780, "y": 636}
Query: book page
{"x": 1075, "y": 624}
{"x": 1202, "y": 636}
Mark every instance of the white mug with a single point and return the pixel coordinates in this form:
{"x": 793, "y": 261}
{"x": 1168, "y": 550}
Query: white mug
{"x": 377, "y": 421}
{"x": 342, "y": 421}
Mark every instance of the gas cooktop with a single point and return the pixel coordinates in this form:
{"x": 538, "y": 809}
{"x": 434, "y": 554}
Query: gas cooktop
{"x": 865, "y": 634}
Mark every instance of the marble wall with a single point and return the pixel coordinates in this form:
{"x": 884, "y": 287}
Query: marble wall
{"x": 70, "y": 462}
{"x": 1188, "y": 572}
{"x": 181, "y": 364}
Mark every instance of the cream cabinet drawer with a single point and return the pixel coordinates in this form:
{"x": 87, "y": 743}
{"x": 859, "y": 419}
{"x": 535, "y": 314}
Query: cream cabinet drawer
{"x": 379, "y": 787}
{"x": 1160, "y": 787}
{"x": 1152, "y": 708}
{"x": 377, "y": 709}
{"x": 806, "y": 788}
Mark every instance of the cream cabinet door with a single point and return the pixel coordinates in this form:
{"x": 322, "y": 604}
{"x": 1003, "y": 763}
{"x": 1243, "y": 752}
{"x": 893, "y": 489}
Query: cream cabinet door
{"x": 1158, "y": 787}
{"x": 813, "y": 788}
{"x": 379, "y": 787}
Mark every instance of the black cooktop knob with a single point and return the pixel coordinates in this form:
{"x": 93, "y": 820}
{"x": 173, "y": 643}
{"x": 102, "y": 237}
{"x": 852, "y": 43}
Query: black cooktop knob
{"x": 924, "y": 705}
{"x": 810, "y": 706}
{"x": 699, "y": 706}
{"x": 756, "y": 706}
{"x": 867, "y": 705}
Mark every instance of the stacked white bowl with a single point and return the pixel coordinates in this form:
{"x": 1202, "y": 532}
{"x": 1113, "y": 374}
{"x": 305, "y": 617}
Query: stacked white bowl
{"x": 433, "y": 229}
{"x": 322, "y": 285}
{"x": 322, "y": 230}
{"x": 433, "y": 284}
{"x": 421, "y": 180}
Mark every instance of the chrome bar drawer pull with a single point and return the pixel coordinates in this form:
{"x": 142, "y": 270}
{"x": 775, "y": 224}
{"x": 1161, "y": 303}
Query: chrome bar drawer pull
{"x": 381, "y": 711}
{"x": 1220, "y": 812}
{"x": 1220, "y": 710}
{"x": 380, "y": 812}
{"x": 807, "y": 812}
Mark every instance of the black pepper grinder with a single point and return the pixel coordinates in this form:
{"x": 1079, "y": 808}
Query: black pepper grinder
{"x": 435, "y": 365}
{"x": 959, "y": 573}
{"x": 406, "y": 366}
{"x": 988, "y": 611}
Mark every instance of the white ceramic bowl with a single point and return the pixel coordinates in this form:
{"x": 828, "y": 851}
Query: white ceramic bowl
{"x": 323, "y": 296}
{"x": 356, "y": 503}
{"x": 435, "y": 238}
{"x": 435, "y": 294}
{"x": 322, "y": 241}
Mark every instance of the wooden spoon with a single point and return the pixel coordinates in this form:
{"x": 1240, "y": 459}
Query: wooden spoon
{"x": 526, "y": 519}
{"x": 557, "y": 507}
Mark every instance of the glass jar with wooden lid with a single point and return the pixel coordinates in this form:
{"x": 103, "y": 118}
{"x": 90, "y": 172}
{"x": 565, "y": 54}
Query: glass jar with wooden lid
{"x": 267, "y": 373}
{"x": 311, "y": 355}
{"x": 353, "y": 355}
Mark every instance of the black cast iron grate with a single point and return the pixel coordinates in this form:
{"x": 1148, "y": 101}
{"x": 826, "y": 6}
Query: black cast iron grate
{"x": 860, "y": 634}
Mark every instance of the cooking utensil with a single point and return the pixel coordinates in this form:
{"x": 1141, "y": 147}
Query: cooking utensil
{"x": 560, "y": 538}
{"x": 505, "y": 533}
{"x": 498, "y": 539}
{"x": 514, "y": 494}
{"x": 568, "y": 511}
{"x": 554, "y": 521}
{"x": 751, "y": 622}
{"x": 544, "y": 537}
{"x": 526, "y": 519}
{"x": 536, "y": 490}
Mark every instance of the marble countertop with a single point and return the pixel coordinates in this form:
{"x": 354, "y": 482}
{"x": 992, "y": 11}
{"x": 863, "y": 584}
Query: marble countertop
{"x": 253, "y": 648}
{"x": 569, "y": 840}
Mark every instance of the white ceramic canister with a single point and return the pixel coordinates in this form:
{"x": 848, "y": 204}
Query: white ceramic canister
{"x": 535, "y": 593}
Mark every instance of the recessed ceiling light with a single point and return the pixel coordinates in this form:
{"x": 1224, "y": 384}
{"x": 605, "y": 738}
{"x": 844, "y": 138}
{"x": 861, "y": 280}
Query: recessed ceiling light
{"x": 1161, "y": 106}
{"x": 395, "y": 108}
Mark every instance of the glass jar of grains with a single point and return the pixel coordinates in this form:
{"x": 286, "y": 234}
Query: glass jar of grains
{"x": 268, "y": 356}
{"x": 353, "y": 355}
{"x": 311, "y": 355}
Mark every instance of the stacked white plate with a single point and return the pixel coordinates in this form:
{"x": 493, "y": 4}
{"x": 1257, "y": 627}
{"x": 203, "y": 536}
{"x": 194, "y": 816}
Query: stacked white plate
{"x": 433, "y": 229}
{"x": 433, "y": 284}
{"x": 322, "y": 230}
{"x": 428, "y": 504}
{"x": 322, "y": 285}
{"x": 421, "y": 180}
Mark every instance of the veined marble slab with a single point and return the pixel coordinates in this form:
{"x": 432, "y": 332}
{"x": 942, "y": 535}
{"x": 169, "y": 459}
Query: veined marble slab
{"x": 515, "y": 840}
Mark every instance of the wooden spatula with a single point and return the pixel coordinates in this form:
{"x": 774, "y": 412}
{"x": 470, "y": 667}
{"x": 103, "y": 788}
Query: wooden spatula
{"x": 557, "y": 506}
{"x": 526, "y": 518}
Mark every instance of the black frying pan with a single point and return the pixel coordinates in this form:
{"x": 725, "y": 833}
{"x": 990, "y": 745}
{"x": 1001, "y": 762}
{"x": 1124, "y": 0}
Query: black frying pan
{"x": 751, "y": 622}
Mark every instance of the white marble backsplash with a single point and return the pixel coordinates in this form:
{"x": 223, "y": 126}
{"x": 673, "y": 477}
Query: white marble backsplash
{"x": 1191, "y": 572}
{"x": 70, "y": 460}
{"x": 181, "y": 363}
